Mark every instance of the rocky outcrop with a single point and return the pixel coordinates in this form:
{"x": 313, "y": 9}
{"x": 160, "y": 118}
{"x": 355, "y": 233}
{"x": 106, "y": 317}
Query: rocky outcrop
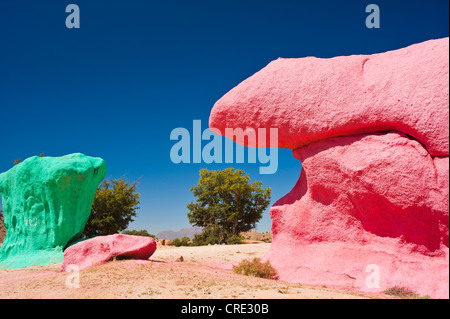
{"x": 312, "y": 99}
{"x": 252, "y": 236}
{"x": 165, "y": 242}
{"x": 98, "y": 250}
{"x": 364, "y": 200}
{"x": 46, "y": 202}
{"x": 371, "y": 207}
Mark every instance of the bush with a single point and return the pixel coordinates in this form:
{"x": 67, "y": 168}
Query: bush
{"x": 216, "y": 235}
{"x": 234, "y": 240}
{"x": 177, "y": 242}
{"x": 256, "y": 268}
{"x": 209, "y": 236}
{"x": 403, "y": 292}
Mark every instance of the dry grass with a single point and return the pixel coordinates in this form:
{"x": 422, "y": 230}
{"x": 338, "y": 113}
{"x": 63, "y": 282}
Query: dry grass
{"x": 404, "y": 293}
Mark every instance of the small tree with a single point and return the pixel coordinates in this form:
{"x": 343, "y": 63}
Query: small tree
{"x": 114, "y": 207}
{"x": 227, "y": 204}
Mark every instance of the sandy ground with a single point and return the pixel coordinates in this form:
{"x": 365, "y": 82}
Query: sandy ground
{"x": 205, "y": 272}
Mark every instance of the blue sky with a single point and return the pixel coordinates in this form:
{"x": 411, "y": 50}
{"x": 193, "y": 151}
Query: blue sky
{"x": 135, "y": 70}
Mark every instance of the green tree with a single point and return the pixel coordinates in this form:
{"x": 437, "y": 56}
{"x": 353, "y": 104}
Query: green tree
{"x": 184, "y": 241}
{"x": 114, "y": 207}
{"x": 226, "y": 205}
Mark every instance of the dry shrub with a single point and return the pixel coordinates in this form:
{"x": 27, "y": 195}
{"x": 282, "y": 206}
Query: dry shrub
{"x": 256, "y": 268}
{"x": 403, "y": 292}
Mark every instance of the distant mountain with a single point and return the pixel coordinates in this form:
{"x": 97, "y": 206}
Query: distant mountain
{"x": 185, "y": 232}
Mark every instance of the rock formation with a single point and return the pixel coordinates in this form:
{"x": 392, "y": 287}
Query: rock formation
{"x": 98, "y": 250}
{"x": 371, "y": 208}
{"x": 164, "y": 242}
{"x": 46, "y": 202}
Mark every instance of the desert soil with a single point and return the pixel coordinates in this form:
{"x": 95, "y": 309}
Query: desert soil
{"x": 205, "y": 272}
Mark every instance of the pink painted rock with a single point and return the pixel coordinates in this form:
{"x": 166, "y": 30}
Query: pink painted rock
{"x": 372, "y": 134}
{"x": 98, "y": 250}
{"x": 312, "y": 99}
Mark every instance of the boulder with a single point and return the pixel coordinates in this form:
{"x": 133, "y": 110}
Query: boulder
{"x": 364, "y": 200}
{"x": 312, "y": 99}
{"x": 371, "y": 207}
{"x": 165, "y": 242}
{"x": 98, "y": 250}
{"x": 46, "y": 202}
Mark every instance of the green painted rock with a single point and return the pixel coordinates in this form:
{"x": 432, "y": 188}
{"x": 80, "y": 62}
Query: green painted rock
{"x": 46, "y": 203}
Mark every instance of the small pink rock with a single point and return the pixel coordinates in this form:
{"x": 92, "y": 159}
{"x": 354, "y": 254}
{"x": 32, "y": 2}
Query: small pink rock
{"x": 98, "y": 250}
